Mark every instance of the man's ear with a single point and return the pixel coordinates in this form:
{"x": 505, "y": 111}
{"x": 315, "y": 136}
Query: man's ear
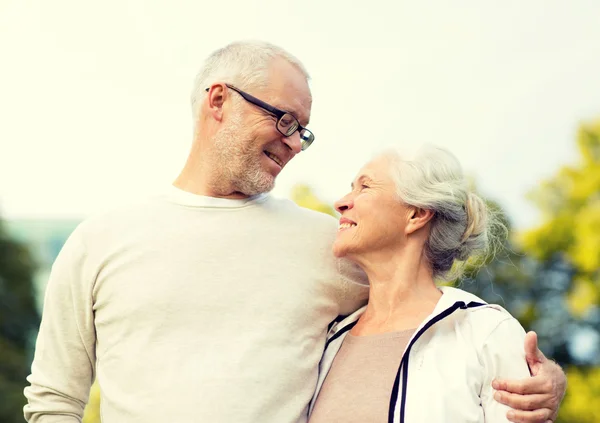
{"x": 418, "y": 218}
{"x": 217, "y": 94}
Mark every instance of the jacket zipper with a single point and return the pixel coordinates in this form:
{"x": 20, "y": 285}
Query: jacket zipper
{"x": 404, "y": 362}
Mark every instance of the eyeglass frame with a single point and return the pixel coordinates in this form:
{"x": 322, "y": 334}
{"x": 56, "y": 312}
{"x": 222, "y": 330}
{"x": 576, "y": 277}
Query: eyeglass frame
{"x": 277, "y": 113}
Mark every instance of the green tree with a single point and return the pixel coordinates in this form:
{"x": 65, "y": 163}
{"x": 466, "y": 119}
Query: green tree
{"x": 568, "y": 240}
{"x": 19, "y": 321}
{"x": 570, "y": 231}
{"x": 304, "y": 196}
{"x": 92, "y": 409}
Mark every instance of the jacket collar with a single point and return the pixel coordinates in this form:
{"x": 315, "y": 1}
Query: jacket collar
{"x": 450, "y": 297}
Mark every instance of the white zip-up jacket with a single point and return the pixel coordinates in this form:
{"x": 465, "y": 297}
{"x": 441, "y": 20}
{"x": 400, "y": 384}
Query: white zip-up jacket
{"x": 447, "y": 368}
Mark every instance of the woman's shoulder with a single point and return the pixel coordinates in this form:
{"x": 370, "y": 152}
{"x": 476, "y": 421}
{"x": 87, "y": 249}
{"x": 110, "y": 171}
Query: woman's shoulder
{"x": 484, "y": 319}
{"x": 494, "y": 321}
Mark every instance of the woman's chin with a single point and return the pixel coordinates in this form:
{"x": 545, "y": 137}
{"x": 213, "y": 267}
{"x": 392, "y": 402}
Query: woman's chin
{"x": 339, "y": 249}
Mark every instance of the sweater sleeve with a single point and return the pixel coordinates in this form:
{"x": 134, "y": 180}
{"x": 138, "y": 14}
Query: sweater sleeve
{"x": 354, "y": 287}
{"x": 502, "y": 356}
{"x": 64, "y": 363}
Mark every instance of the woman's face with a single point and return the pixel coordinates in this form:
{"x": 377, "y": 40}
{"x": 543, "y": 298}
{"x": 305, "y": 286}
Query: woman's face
{"x": 373, "y": 218}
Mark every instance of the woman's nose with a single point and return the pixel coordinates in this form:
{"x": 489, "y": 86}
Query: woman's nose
{"x": 344, "y": 204}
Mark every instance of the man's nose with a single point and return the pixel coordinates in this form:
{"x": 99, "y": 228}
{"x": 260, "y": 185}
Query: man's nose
{"x": 293, "y": 142}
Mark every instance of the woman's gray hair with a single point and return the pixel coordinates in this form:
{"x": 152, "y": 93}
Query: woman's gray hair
{"x": 432, "y": 179}
{"x": 244, "y": 64}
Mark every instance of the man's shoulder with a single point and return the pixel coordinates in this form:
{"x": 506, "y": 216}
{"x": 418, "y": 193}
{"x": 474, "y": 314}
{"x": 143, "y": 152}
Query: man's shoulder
{"x": 135, "y": 213}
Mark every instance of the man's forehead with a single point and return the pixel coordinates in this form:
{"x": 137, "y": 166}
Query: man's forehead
{"x": 288, "y": 90}
{"x": 297, "y": 102}
{"x": 300, "y": 109}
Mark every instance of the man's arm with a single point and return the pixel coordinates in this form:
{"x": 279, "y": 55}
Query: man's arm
{"x": 354, "y": 287}
{"x": 64, "y": 363}
{"x": 535, "y": 399}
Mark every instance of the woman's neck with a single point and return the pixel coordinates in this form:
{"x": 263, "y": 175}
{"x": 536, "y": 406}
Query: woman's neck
{"x": 402, "y": 292}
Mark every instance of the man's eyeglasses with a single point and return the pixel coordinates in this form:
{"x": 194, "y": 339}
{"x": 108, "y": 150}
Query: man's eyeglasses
{"x": 287, "y": 123}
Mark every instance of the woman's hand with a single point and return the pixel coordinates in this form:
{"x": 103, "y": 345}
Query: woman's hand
{"x": 537, "y": 399}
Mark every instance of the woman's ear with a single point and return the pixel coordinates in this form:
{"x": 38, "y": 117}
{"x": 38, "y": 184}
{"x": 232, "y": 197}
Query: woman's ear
{"x": 418, "y": 218}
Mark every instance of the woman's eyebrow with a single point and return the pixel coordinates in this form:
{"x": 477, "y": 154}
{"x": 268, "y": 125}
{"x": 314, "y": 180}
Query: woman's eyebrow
{"x": 360, "y": 179}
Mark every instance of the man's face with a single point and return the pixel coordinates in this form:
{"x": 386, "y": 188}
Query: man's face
{"x": 249, "y": 150}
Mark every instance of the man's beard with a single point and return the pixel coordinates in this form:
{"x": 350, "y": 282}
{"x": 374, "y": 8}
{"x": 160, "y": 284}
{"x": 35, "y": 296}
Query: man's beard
{"x": 238, "y": 167}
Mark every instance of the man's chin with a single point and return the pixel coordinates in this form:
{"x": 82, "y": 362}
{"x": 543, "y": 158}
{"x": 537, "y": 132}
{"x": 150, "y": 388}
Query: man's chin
{"x": 259, "y": 187}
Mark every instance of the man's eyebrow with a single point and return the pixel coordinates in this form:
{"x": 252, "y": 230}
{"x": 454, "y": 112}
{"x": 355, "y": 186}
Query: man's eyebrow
{"x": 294, "y": 113}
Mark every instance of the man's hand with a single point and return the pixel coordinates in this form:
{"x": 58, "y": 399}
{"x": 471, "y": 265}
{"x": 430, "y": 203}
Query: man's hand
{"x": 534, "y": 400}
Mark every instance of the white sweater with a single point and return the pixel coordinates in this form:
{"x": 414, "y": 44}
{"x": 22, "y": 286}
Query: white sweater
{"x": 191, "y": 309}
{"x": 447, "y": 368}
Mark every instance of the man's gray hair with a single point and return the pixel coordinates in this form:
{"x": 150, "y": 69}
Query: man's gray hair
{"x": 244, "y": 64}
{"x": 463, "y": 226}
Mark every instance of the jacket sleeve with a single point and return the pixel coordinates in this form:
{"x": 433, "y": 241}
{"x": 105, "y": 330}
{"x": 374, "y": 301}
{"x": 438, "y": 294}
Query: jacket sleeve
{"x": 354, "y": 287}
{"x": 502, "y": 356}
{"x": 64, "y": 363}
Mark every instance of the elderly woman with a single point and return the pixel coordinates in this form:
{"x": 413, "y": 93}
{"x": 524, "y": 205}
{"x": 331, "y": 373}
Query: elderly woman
{"x": 417, "y": 352}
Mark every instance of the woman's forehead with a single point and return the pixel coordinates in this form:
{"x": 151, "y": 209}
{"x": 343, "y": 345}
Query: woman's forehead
{"x": 378, "y": 168}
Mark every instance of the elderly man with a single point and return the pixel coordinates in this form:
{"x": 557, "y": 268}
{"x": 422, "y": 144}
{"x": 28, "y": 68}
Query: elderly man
{"x": 211, "y": 302}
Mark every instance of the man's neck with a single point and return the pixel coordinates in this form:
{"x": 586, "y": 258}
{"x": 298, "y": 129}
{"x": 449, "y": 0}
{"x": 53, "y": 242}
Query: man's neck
{"x": 196, "y": 178}
{"x": 198, "y": 188}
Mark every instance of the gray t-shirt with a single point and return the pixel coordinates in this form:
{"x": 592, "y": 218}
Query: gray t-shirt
{"x": 359, "y": 384}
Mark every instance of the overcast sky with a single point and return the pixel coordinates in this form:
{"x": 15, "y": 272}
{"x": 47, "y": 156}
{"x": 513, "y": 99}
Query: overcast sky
{"x": 94, "y": 96}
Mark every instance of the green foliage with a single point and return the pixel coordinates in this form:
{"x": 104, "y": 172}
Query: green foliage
{"x": 18, "y": 322}
{"x": 570, "y": 233}
{"x": 92, "y": 409}
{"x": 304, "y": 196}
{"x": 570, "y": 206}
{"x": 582, "y": 404}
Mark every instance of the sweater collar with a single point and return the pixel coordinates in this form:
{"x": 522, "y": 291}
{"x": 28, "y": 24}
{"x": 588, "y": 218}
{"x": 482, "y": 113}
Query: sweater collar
{"x": 185, "y": 198}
